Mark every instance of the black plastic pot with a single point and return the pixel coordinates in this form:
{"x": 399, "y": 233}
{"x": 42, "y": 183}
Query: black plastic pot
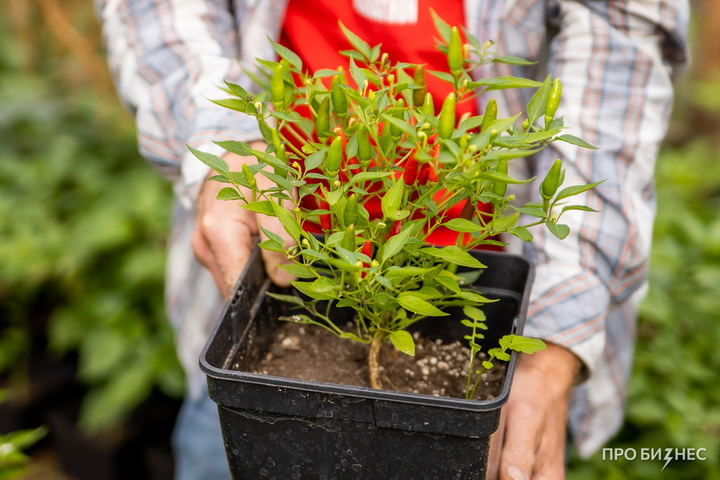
{"x": 284, "y": 428}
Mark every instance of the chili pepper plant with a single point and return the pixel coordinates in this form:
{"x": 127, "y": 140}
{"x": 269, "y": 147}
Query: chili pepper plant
{"x": 372, "y": 132}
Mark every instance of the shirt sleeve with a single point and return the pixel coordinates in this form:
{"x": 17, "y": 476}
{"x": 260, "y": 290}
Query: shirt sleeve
{"x": 616, "y": 61}
{"x": 168, "y": 59}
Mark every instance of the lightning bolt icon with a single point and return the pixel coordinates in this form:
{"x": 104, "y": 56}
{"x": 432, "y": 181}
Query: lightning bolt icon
{"x": 668, "y": 457}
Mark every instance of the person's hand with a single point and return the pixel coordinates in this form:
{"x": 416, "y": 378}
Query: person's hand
{"x": 224, "y": 232}
{"x": 533, "y": 426}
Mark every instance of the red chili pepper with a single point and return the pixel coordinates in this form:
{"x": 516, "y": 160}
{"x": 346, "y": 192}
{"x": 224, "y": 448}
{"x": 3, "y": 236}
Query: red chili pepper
{"x": 423, "y": 174}
{"x": 367, "y": 248}
{"x": 432, "y": 174}
{"x": 395, "y": 229}
{"x": 325, "y": 219}
{"x": 410, "y": 172}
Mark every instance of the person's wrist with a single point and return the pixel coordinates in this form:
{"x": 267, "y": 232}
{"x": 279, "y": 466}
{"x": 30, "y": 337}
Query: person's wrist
{"x": 556, "y": 362}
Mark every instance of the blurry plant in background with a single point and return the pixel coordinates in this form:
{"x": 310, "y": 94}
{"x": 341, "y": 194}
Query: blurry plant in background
{"x": 83, "y": 221}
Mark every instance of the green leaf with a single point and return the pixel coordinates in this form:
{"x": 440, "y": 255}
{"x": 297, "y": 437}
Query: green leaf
{"x": 357, "y": 75}
{"x": 441, "y": 25}
{"x": 415, "y": 304}
{"x": 454, "y": 255}
{"x": 237, "y": 104}
{"x": 403, "y": 341}
{"x": 513, "y": 60}
{"x": 287, "y": 54}
{"x": 402, "y": 125}
{"x": 228, "y": 193}
{"x": 314, "y": 160}
{"x": 288, "y": 221}
{"x": 532, "y": 211}
{"x": 487, "y": 364}
{"x": 362, "y": 176}
{"x": 463, "y": 225}
{"x": 264, "y": 207}
{"x": 325, "y": 72}
{"x": 443, "y": 76}
{"x": 502, "y": 178}
{"x": 575, "y": 190}
{"x": 522, "y": 344}
{"x": 582, "y": 208}
{"x": 358, "y": 43}
{"x": 299, "y": 271}
{"x": 272, "y": 246}
{"x": 395, "y": 245}
{"x": 390, "y": 202}
{"x": 522, "y": 233}
{"x": 575, "y": 141}
{"x": 447, "y": 280}
{"x": 318, "y": 292}
{"x": 238, "y": 148}
{"x": 395, "y": 273}
{"x": 499, "y": 83}
{"x": 474, "y": 297}
{"x": 536, "y": 106}
{"x": 212, "y": 161}
{"x": 237, "y": 90}
{"x": 502, "y": 224}
{"x": 474, "y": 313}
{"x": 293, "y": 299}
{"x": 559, "y": 230}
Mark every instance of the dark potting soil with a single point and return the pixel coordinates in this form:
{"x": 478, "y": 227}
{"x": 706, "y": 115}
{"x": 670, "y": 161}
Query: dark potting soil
{"x": 312, "y": 353}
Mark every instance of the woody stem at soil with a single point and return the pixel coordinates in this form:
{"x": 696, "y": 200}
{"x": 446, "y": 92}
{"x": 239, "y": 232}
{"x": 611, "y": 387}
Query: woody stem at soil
{"x": 373, "y": 357}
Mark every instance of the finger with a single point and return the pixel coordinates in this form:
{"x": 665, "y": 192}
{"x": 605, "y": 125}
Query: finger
{"x": 523, "y": 428}
{"x": 231, "y": 242}
{"x": 495, "y": 451}
{"x": 202, "y": 252}
{"x": 550, "y": 464}
{"x": 273, "y": 259}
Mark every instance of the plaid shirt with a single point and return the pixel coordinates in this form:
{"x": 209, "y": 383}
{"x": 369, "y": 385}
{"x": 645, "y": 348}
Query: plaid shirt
{"x": 616, "y": 60}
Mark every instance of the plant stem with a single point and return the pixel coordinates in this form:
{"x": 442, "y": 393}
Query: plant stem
{"x": 373, "y": 360}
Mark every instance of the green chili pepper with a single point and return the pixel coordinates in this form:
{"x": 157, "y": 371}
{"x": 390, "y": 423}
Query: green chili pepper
{"x": 279, "y": 146}
{"x": 333, "y": 161}
{"x": 420, "y": 81}
{"x": 455, "y": 53}
{"x": 553, "y": 101}
{"x": 364, "y": 152}
{"x": 249, "y": 177}
{"x": 339, "y": 100}
{"x": 322, "y": 120}
{"x": 277, "y": 87}
{"x": 397, "y": 112}
{"x": 428, "y": 106}
{"x": 351, "y": 210}
{"x": 551, "y": 183}
{"x": 348, "y": 241}
{"x": 490, "y": 114}
{"x": 447, "y": 117}
{"x": 500, "y": 188}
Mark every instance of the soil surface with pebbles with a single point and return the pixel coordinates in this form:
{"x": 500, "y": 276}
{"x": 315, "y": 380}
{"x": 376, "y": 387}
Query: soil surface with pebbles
{"x": 312, "y": 353}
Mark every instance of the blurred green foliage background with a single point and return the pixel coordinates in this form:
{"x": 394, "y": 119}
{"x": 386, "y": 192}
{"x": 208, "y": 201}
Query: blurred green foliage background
{"x": 83, "y": 222}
